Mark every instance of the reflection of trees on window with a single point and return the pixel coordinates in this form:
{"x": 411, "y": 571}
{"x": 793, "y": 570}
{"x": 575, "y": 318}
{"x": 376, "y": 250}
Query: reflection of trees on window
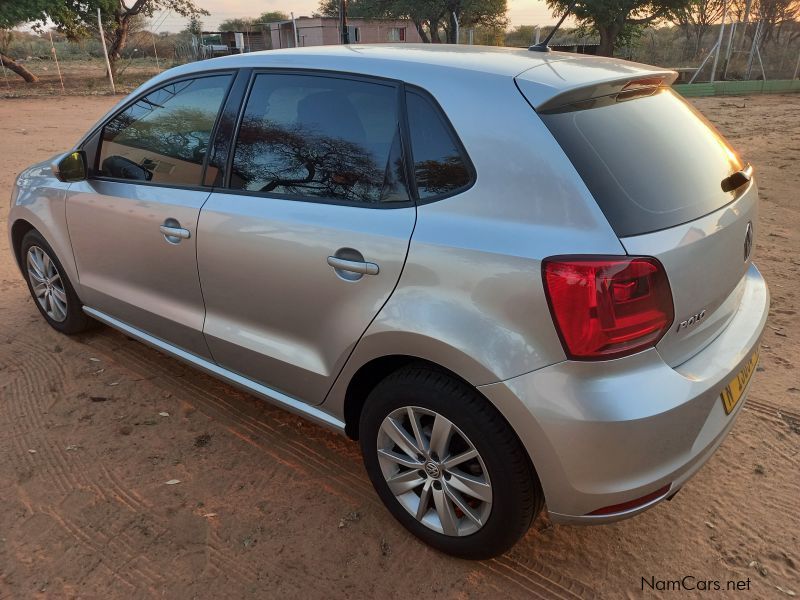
{"x": 319, "y": 137}
{"x": 441, "y": 176}
{"x": 182, "y": 133}
{"x": 164, "y": 136}
{"x": 297, "y": 161}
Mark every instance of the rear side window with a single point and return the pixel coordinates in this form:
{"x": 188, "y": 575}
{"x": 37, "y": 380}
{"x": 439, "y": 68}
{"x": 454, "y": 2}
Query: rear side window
{"x": 317, "y": 137}
{"x": 650, "y": 163}
{"x": 439, "y": 166}
{"x": 163, "y": 137}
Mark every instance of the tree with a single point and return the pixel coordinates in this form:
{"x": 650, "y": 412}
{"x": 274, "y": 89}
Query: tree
{"x": 12, "y": 14}
{"x": 78, "y": 18}
{"x": 272, "y": 16}
{"x": 247, "y": 24}
{"x": 430, "y": 17}
{"x": 696, "y": 18}
{"x": 615, "y": 18}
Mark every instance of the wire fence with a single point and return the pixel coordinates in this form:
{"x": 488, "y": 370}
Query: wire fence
{"x": 63, "y": 66}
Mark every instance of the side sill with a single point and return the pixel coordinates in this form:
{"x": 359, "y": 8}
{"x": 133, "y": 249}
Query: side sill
{"x": 272, "y": 396}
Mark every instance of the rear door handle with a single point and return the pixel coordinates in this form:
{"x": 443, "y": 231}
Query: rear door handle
{"x": 354, "y": 266}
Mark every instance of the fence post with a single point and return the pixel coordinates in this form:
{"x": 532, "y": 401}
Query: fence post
{"x": 55, "y": 57}
{"x": 797, "y": 67}
{"x": 105, "y": 51}
{"x": 719, "y": 41}
{"x": 155, "y": 51}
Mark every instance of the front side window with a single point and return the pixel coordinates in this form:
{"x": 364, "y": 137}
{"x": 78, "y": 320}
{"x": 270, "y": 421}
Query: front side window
{"x": 439, "y": 166}
{"x": 309, "y": 136}
{"x": 163, "y": 137}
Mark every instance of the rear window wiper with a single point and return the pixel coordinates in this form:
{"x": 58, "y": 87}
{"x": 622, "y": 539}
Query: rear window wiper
{"x": 738, "y": 179}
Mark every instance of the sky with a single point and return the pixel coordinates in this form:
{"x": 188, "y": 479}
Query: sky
{"x": 520, "y": 12}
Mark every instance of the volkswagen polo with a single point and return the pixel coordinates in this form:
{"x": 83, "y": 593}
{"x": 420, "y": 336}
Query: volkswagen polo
{"x": 517, "y": 278}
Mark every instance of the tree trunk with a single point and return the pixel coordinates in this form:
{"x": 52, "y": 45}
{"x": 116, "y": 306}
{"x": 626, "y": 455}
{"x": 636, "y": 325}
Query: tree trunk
{"x": 451, "y": 29}
{"x": 119, "y": 39}
{"x": 433, "y": 26}
{"x": 10, "y": 63}
{"x": 422, "y": 33}
{"x": 608, "y": 36}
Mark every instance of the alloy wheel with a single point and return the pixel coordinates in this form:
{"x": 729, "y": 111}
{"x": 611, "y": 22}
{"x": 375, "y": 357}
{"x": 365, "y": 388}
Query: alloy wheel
{"x": 46, "y": 283}
{"x": 434, "y": 471}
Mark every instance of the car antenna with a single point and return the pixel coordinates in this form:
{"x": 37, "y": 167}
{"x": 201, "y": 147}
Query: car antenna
{"x": 542, "y": 46}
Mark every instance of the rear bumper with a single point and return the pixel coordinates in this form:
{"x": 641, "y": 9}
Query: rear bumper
{"x": 607, "y": 433}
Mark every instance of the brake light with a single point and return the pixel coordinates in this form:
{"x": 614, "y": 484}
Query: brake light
{"x": 607, "y": 306}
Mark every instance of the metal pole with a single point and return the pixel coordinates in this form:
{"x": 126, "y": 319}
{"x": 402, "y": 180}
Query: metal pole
{"x": 753, "y": 50}
{"x": 729, "y": 50}
{"x": 538, "y": 34}
{"x": 294, "y": 31}
{"x": 796, "y": 68}
{"x": 719, "y": 40}
{"x": 703, "y": 64}
{"x": 105, "y": 51}
{"x": 763, "y": 73}
{"x": 471, "y": 33}
{"x": 455, "y": 20}
{"x": 55, "y": 58}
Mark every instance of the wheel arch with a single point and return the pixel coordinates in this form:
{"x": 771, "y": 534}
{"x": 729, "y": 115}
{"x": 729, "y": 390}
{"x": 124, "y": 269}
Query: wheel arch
{"x": 19, "y": 229}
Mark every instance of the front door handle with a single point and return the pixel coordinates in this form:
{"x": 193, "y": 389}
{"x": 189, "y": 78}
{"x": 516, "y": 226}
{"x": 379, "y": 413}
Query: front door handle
{"x": 173, "y": 232}
{"x": 353, "y": 266}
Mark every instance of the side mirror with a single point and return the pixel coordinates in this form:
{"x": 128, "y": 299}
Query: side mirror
{"x": 71, "y": 167}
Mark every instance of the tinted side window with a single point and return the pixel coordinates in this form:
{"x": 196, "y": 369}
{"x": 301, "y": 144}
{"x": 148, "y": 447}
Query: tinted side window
{"x": 439, "y": 166}
{"x": 310, "y": 136}
{"x": 164, "y": 136}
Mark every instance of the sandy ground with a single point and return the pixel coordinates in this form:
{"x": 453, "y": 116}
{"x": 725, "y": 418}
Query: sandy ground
{"x": 268, "y": 504}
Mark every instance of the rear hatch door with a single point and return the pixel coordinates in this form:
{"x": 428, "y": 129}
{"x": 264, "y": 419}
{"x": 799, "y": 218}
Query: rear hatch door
{"x": 657, "y": 170}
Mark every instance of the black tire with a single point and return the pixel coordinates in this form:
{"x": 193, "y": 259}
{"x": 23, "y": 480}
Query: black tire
{"x": 516, "y": 493}
{"x": 75, "y": 320}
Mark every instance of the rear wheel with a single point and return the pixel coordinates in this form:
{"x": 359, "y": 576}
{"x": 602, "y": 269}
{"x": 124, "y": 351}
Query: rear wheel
{"x": 49, "y": 286}
{"x": 446, "y": 463}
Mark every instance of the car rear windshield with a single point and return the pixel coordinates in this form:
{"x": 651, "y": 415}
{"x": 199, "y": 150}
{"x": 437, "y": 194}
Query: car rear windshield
{"x": 651, "y": 163}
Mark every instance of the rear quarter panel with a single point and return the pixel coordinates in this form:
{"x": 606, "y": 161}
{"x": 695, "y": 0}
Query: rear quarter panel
{"x": 471, "y": 297}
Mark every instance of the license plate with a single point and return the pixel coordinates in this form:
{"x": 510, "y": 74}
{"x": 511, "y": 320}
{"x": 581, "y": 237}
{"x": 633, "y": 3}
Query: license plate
{"x": 735, "y": 388}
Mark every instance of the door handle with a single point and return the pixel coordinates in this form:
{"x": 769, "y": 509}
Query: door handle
{"x": 173, "y": 232}
{"x": 353, "y": 266}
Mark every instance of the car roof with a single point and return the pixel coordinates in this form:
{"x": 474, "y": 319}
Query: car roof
{"x": 367, "y": 58}
{"x": 542, "y": 76}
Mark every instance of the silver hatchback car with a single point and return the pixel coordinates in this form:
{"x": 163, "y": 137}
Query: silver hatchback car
{"x": 517, "y": 278}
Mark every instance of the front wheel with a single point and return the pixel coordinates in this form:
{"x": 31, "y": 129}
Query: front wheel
{"x": 446, "y": 463}
{"x": 49, "y": 286}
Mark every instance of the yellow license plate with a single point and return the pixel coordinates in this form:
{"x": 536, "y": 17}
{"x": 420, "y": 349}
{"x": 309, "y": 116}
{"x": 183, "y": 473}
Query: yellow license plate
{"x": 735, "y": 388}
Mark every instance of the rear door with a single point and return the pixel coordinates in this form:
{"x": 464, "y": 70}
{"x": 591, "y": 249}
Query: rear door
{"x": 662, "y": 176}
{"x": 307, "y": 242}
{"x": 133, "y": 223}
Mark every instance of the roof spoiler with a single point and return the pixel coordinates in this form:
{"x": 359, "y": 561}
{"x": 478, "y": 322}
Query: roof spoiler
{"x": 623, "y": 88}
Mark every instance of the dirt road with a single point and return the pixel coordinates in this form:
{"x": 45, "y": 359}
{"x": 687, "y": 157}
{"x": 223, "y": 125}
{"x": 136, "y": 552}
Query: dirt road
{"x": 91, "y": 428}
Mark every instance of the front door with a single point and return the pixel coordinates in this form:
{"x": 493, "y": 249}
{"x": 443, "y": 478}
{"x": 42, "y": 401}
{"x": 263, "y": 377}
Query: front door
{"x": 306, "y": 245}
{"x": 133, "y": 223}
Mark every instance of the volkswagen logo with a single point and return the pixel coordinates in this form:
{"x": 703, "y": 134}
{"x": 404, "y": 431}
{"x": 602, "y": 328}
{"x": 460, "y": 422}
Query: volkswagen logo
{"x": 748, "y": 240}
{"x": 432, "y": 469}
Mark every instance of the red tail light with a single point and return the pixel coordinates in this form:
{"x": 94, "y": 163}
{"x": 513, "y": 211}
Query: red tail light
{"x": 606, "y": 307}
